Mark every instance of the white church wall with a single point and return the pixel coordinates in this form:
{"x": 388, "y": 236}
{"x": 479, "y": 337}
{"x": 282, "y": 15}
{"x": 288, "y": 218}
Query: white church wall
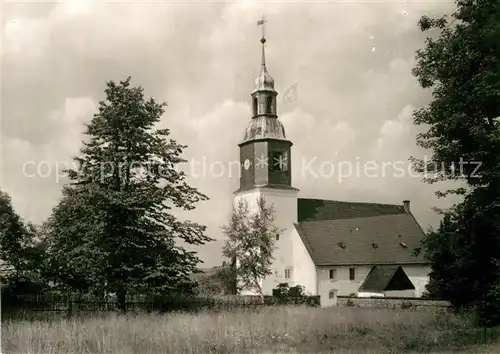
{"x": 251, "y": 199}
{"x": 341, "y": 281}
{"x": 418, "y": 274}
{"x": 304, "y": 270}
{"x": 281, "y": 262}
{"x": 285, "y": 206}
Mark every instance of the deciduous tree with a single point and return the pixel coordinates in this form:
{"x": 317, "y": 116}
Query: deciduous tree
{"x": 14, "y": 236}
{"x": 251, "y": 238}
{"x": 114, "y": 229}
{"x": 462, "y": 67}
{"x": 21, "y": 251}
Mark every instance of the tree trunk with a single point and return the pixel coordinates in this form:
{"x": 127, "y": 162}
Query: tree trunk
{"x": 261, "y": 293}
{"x": 121, "y": 295}
{"x": 69, "y": 299}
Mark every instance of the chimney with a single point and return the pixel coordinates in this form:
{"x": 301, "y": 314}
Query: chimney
{"x": 406, "y": 205}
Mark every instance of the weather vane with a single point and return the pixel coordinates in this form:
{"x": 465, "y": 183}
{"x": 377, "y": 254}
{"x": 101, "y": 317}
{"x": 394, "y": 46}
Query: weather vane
{"x": 261, "y": 23}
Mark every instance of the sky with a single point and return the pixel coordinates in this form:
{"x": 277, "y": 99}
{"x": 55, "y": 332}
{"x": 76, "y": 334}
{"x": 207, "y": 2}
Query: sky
{"x": 350, "y": 63}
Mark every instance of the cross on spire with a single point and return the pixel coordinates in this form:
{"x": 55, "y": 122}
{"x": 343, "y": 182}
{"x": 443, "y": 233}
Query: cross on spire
{"x": 262, "y": 23}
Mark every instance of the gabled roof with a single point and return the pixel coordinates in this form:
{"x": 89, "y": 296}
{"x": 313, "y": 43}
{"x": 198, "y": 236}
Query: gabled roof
{"x": 321, "y": 210}
{"x": 383, "y": 239}
{"x": 386, "y": 278}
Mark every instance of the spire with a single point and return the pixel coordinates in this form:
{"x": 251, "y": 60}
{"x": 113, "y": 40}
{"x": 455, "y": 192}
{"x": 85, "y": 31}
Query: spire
{"x": 263, "y": 60}
{"x": 264, "y": 81}
{"x": 262, "y": 23}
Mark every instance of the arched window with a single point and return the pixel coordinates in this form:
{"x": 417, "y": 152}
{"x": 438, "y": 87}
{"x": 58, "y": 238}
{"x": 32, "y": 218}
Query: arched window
{"x": 255, "y": 106}
{"x": 269, "y": 105}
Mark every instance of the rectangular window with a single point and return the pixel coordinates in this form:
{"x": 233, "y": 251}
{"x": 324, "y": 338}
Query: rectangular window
{"x": 333, "y": 273}
{"x": 277, "y": 237}
{"x": 269, "y": 104}
{"x": 352, "y": 273}
{"x": 288, "y": 273}
{"x": 332, "y": 294}
{"x": 278, "y": 161}
{"x": 255, "y": 106}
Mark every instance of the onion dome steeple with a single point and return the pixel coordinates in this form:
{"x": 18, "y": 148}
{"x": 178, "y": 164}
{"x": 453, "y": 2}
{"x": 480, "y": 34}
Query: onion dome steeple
{"x": 265, "y": 150}
{"x": 264, "y": 123}
{"x": 264, "y": 81}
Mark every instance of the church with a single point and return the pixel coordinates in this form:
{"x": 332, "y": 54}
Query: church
{"x": 330, "y": 247}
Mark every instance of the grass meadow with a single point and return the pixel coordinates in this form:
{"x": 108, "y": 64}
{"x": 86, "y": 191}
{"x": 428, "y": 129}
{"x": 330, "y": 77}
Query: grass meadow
{"x": 262, "y": 331}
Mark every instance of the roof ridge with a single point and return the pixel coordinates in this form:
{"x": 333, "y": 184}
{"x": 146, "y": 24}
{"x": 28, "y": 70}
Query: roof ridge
{"x": 357, "y": 218}
{"x": 348, "y": 202}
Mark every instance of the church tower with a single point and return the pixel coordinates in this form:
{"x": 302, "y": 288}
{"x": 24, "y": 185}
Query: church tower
{"x": 265, "y": 156}
{"x": 265, "y": 150}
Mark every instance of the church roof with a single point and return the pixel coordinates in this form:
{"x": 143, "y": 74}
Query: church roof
{"x": 343, "y": 233}
{"x": 386, "y": 278}
{"x": 264, "y": 127}
{"x": 318, "y": 209}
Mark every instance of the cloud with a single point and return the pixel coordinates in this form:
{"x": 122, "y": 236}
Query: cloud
{"x": 353, "y": 105}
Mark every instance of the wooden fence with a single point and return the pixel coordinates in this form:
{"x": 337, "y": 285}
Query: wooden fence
{"x": 75, "y": 304}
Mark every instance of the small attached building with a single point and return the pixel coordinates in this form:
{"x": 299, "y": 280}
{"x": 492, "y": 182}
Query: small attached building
{"x": 387, "y": 280}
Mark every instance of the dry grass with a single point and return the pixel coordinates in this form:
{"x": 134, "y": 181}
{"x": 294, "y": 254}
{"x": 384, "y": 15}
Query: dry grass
{"x": 269, "y": 330}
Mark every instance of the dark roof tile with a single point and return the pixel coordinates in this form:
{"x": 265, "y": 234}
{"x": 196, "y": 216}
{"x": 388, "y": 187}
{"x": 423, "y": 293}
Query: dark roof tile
{"x": 318, "y": 210}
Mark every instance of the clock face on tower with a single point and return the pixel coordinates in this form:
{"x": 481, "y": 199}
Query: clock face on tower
{"x": 246, "y": 164}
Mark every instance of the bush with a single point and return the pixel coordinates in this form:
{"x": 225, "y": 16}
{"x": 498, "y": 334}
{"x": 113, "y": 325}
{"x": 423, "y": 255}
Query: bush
{"x": 294, "y": 295}
{"x": 488, "y": 308}
{"x": 406, "y": 305}
{"x": 12, "y": 288}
